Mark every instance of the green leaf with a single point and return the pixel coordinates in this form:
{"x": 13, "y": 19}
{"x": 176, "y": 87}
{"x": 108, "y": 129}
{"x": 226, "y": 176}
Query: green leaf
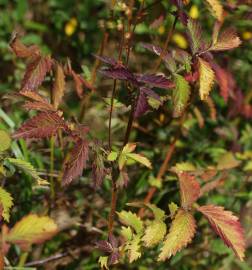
{"x": 181, "y": 95}
{"x": 154, "y": 233}
{"x": 112, "y": 156}
{"x": 5, "y": 141}
{"x": 132, "y": 220}
{"x": 141, "y": 159}
{"x": 6, "y": 202}
{"x": 173, "y": 208}
{"x": 28, "y": 169}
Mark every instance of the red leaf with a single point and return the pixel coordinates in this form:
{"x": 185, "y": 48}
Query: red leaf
{"x": 39, "y": 106}
{"x": 155, "y": 80}
{"x": 227, "y": 226}
{"x": 189, "y": 189}
{"x": 21, "y": 50}
{"x": 44, "y": 124}
{"x": 76, "y": 163}
{"x": 80, "y": 84}
{"x": 35, "y": 72}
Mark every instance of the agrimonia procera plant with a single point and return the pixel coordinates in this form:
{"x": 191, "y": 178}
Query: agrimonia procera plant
{"x": 189, "y": 77}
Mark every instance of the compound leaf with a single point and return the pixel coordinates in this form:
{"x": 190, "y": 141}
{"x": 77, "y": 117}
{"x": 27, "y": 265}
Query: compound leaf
{"x": 6, "y": 202}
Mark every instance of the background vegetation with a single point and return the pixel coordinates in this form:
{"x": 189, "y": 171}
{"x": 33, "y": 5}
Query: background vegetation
{"x": 214, "y": 134}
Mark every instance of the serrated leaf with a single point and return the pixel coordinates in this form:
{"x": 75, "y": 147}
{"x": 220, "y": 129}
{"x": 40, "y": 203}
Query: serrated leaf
{"x": 206, "y": 78}
{"x": 44, "y": 124}
{"x": 31, "y": 229}
{"x": 103, "y": 262}
{"x": 133, "y": 248}
{"x": 35, "y": 72}
{"x": 58, "y": 86}
{"x": 180, "y": 95}
{"x": 77, "y": 162}
{"x": 131, "y": 219}
{"x": 5, "y": 141}
{"x": 226, "y": 41}
{"x": 141, "y": 159}
{"x": 216, "y": 9}
{"x": 180, "y": 234}
{"x": 189, "y": 189}
{"x": 21, "y": 50}
{"x": 127, "y": 233}
{"x": 6, "y": 202}
{"x": 194, "y": 35}
{"x": 154, "y": 233}
{"x": 154, "y": 80}
{"x": 227, "y": 226}
{"x": 27, "y": 168}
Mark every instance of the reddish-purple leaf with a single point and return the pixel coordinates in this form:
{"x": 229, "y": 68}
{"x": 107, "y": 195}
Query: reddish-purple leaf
{"x": 104, "y": 246}
{"x": 44, "y": 124}
{"x": 227, "y": 226}
{"x": 80, "y": 84}
{"x": 105, "y": 59}
{"x": 142, "y": 105}
{"x": 35, "y": 72}
{"x": 77, "y": 162}
{"x": 155, "y": 80}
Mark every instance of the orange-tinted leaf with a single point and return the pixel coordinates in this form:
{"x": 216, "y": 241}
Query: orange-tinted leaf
{"x": 227, "y": 226}
{"x": 32, "y": 95}
{"x": 180, "y": 234}
{"x": 44, "y": 124}
{"x": 21, "y": 50}
{"x": 226, "y": 41}
{"x": 59, "y": 86}
{"x": 80, "y": 84}
{"x": 31, "y": 229}
{"x": 76, "y": 163}
{"x": 189, "y": 189}
{"x": 35, "y": 72}
{"x": 38, "y": 106}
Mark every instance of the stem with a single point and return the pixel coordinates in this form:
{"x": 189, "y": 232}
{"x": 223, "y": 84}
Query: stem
{"x": 169, "y": 36}
{"x": 52, "y": 144}
{"x": 23, "y": 259}
{"x": 164, "y": 166}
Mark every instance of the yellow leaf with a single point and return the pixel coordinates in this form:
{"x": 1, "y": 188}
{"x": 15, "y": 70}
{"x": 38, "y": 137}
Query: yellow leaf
{"x": 5, "y": 141}
{"x": 216, "y": 9}
{"x": 141, "y": 159}
{"x": 227, "y": 161}
{"x": 133, "y": 248}
{"x": 6, "y": 202}
{"x": 206, "y": 78}
{"x": 154, "y": 233}
{"x": 180, "y": 235}
{"x": 31, "y": 229}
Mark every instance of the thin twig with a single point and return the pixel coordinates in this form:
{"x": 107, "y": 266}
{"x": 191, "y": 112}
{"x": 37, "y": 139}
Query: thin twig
{"x": 169, "y": 36}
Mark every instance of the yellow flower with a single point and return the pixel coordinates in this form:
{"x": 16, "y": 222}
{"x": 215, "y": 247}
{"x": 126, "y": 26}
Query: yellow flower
{"x": 194, "y": 12}
{"x": 161, "y": 30}
{"x": 70, "y": 27}
{"x": 180, "y": 41}
{"x": 247, "y": 35}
